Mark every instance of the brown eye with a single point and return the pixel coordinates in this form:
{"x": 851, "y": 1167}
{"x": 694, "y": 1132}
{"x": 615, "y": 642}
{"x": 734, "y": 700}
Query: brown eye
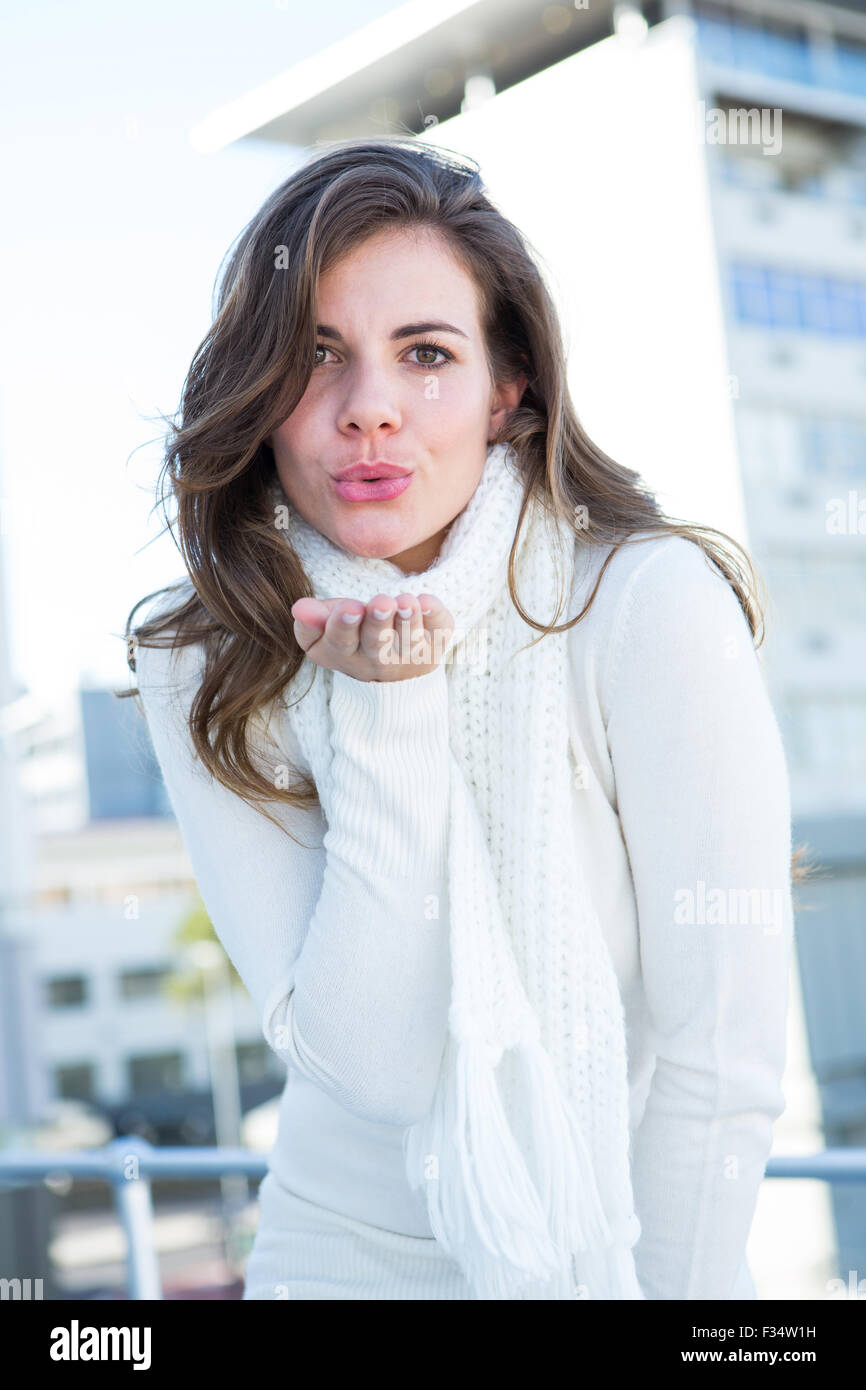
{"x": 432, "y": 347}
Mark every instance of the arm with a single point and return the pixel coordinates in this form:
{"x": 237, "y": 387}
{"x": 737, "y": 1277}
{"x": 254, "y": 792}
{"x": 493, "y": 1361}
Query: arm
{"x": 343, "y": 946}
{"x": 702, "y": 797}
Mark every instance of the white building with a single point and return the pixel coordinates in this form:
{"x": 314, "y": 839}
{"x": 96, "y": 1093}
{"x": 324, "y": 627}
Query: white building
{"x": 51, "y": 763}
{"x": 106, "y": 905}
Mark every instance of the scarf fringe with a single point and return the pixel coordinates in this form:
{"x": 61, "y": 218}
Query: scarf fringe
{"x": 484, "y": 1207}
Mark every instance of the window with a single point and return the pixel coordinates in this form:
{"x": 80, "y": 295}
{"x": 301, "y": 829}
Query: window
{"x": 750, "y": 294}
{"x": 834, "y": 174}
{"x": 783, "y": 300}
{"x": 834, "y": 447}
{"x": 142, "y": 984}
{"x": 75, "y": 1082}
{"x": 817, "y": 595}
{"x": 66, "y": 991}
{"x": 790, "y": 300}
{"x": 783, "y": 52}
{"x": 157, "y": 1071}
{"x": 828, "y": 733}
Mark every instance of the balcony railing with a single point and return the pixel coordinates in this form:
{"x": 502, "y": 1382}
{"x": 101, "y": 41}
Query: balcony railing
{"x": 130, "y": 1164}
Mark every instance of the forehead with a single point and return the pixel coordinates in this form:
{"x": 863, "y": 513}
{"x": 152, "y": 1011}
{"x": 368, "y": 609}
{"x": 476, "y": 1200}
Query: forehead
{"x": 415, "y": 266}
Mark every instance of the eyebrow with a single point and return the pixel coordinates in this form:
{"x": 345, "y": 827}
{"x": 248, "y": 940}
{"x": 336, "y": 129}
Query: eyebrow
{"x": 408, "y": 330}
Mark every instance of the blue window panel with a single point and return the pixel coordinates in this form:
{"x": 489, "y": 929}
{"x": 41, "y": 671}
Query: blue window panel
{"x": 851, "y": 69}
{"x": 768, "y": 55}
{"x": 855, "y": 293}
{"x": 748, "y": 47}
{"x": 780, "y": 56}
{"x": 786, "y": 300}
{"x": 785, "y": 56}
{"x": 845, "y": 312}
{"x": 715, "y": 40}
{"x": 786, "y": 309}
{"x": 799, "y": 59}
{"x": 835, "y": 447}
{"x": 816, "y": 305}
{"x": 850, "y": 450}
{"x": 750, "y": 295}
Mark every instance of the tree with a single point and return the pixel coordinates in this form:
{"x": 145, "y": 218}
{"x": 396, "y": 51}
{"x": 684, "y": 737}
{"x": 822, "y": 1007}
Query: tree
{"x": 186, "y": 985}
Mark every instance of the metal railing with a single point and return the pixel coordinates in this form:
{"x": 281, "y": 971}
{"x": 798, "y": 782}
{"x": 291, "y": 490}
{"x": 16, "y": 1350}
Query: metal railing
{"x": 130, "y": 1163}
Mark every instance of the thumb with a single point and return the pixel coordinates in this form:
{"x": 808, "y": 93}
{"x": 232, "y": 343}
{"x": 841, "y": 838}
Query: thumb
{"x": 312, "y": 612}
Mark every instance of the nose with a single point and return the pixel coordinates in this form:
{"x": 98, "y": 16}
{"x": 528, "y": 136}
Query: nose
{"x": 369, "y": 403}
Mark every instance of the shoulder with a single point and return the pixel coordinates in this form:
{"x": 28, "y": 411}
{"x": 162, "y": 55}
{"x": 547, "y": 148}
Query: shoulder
{"x": 168, "y": 677}
{"x": 645, "y": 565}
{"x": 668, "y": 577}
{"x": 662, "y": 604}
{"x": 161, "y": 669}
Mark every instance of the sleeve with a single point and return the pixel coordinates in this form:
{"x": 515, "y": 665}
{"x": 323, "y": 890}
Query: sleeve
{"x": 341, "y": 941}
{"x": 703, "y": 801}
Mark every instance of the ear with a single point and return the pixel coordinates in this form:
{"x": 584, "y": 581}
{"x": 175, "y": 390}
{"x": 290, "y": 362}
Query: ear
{"x": 506, "y": 398}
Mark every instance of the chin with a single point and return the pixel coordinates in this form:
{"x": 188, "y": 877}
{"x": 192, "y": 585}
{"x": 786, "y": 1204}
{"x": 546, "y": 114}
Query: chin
{"x": 373, "y": 541}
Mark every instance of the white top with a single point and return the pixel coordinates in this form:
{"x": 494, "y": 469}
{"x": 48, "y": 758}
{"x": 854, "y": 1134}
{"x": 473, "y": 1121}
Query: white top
{"x": 681, "y": 791}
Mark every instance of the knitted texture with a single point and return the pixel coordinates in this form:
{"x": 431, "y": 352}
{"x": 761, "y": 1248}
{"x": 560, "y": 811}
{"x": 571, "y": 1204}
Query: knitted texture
{"x": 524, "y": 1153}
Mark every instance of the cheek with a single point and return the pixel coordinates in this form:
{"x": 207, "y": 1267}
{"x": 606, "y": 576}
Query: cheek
{"x": 296, "y": 429}
{"x": 291, "y": 432}
{"x": 459, "y": 399}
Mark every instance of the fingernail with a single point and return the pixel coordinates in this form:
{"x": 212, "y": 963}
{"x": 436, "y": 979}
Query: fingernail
{"x": 380, "y": 613}
{"x": 405, "y": 612}
{"x": 351, "y": 617}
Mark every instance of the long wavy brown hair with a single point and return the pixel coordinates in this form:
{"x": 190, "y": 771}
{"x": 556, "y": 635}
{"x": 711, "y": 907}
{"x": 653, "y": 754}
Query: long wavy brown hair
{"x": 251, "y": 370}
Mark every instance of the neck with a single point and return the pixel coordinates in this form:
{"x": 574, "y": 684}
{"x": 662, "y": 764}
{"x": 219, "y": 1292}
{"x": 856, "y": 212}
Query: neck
{"x": 420, "y": 557}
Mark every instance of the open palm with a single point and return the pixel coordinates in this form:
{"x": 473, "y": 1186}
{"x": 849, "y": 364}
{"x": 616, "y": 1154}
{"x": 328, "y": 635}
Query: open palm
{"x": 381, "y": 644}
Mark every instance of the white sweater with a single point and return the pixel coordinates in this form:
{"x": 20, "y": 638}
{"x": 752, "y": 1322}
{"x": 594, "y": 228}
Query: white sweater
{"x": 681, "y": 791}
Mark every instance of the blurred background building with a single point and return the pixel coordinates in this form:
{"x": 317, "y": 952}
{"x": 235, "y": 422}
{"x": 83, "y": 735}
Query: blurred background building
{"x": 103, "y": 1034}
{"x": 693, "y": 177}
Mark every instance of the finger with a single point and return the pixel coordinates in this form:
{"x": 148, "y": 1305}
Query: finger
{"x": 434, "y": 612}
{"x": 341, "y": 630}
{"x": 310, "y": 616}
{"x": 311, "y": 612}
{"x": 438, "y": 622}
{"x": 409, "y": 626}
{"x": 377, "y": 637}
{"x": 314, "y": 610}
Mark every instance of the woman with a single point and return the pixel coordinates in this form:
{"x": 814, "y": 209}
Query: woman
{"x": 510, "y": 890}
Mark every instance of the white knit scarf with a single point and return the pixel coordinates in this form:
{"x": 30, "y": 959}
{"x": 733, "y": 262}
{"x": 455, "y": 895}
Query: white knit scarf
{"x": 524, "y": 1153}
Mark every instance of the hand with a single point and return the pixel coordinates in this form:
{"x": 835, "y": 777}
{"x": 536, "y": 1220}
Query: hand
{"x": 389, "y": 648}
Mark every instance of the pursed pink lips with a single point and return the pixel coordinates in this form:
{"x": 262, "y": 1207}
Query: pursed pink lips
{"x": 372, "y": 482}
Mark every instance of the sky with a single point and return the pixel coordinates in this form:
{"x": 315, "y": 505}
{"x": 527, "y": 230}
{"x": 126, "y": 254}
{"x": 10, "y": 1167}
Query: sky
{"x": 113, "y": 231}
